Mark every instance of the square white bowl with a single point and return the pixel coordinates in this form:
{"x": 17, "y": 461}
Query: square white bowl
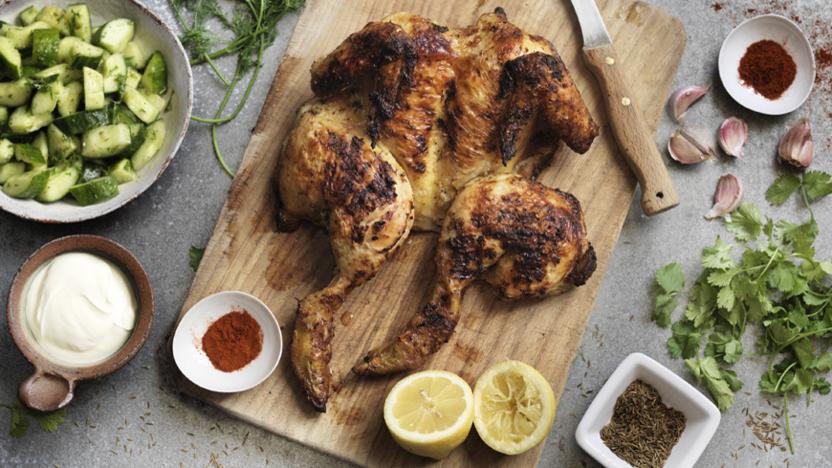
{"x": 702, "y": 415}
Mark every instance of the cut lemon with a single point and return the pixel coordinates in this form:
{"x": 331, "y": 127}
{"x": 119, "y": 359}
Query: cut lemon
{"x": 429, "y": 413}
{"x": 514, "y": 407}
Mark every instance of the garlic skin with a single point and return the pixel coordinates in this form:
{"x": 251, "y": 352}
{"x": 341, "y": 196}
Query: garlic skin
{"x": 733, "y": 133}
{"x": 796, "y": 146}
{"x": 684, "y": 148}
{"x": 683, "y": 98}
{"x": 727, "y": 196}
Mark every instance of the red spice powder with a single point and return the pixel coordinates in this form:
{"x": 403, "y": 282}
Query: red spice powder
{"x": 232, "y": 341}
{"x": 768, "y": 68}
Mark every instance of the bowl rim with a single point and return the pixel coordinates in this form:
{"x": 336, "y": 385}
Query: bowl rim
{"x": 71, "y": 217}
{"x": 583, "y": 434}
{"x": 805, "y": 41}
{"x": 142, "y": 290}
{"x": 279, "y": 344}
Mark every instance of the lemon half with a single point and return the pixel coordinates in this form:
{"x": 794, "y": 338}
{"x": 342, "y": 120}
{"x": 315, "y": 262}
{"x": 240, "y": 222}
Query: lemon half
{"x": 514, "y": 407}
{"x": 429, "y": 413}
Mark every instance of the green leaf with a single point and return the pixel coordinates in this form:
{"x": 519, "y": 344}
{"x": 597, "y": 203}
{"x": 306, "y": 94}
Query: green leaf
{"x": 662, "y": 312}
{"x": 718, "y": 256}
{"x": 822, "y": 363}
{"x": 701, "y": 303}
{"x": 746, "y": 222}
{"x": 721, "y": 383}
{"x": 670, "y": 278}
{"x": 19, "y": 425}
{"x": 817, "y": 184}
{"x": 49, "y": 422}
{"x": 685, "y": 340}
{"x": 195, "y": 254}
{"x": 725, "y": 298}
{"x": 782, "y": 189}
{"x": 786, "y": 278}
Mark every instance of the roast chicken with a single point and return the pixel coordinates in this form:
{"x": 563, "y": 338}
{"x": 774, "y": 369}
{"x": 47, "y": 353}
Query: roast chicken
{"x": 411, "y": 119}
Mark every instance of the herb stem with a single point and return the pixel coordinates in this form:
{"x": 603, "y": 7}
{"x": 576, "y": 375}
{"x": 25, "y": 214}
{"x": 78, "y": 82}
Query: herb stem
{"x": 216, "y": 70}
{"x": 788, "y": 425}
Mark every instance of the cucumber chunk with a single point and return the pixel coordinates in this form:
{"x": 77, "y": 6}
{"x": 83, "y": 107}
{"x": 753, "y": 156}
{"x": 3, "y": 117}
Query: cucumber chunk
{"x": 115, "y": 35}
{"x": 137, "y": 137}
{"x": 95, "y": 191}
{"x": 40, "y": 143}
{"x": 26, "y": 185}
{"x": 47, "y": 97}
{"x": 85, "y": 55}
{"x": 54, "y": 17}
{"x": 45, "y": 47}
{"x": 9, "y": 170}
{"x": 93, "y": 89}
{"x": 136, "y": 55}
{"x": 4, "y": 115}
{"x": 61, "y": 145}
{"x": 154, "y": 137}
{"x": 21, "y": 36}
{"x": 66, "y": 47}
{"x": 140, "y": 105}
{"x": 29, "y": 154}
{"x": 79, "y": 21}
{"x": 133, "y": 79}
{"x": 114, "y": 70}
{"x": 155, "y": 76}
{"x": 123, "y": 171}
{"x": 70, "y": 98}
{"x": 15, "y": 93}
{"x": 92, "y": 170}
{"x": 6, "y": 150}
{"x": 61, "y": 72}
{"x": 60, "y": 180}
{"x": 121, "y": 114}
{"x": 29, "y": 15}
{"x": 10, "y": 61}
{"x": 80, "y": 122}
{"x": 106, "y": 141}
{"x": 22, "y": 121}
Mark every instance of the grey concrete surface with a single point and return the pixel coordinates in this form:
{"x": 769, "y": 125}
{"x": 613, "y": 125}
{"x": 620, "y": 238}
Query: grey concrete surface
{"x": 135, "y": 417}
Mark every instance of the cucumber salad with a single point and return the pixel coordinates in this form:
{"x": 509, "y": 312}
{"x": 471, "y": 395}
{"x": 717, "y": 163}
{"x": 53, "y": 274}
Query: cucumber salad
{"x": 80, "y": 106}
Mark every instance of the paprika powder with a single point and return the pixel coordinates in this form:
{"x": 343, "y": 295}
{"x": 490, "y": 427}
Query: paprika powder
{"x": 767, "y": 68}
{"x": 232, "y": 341}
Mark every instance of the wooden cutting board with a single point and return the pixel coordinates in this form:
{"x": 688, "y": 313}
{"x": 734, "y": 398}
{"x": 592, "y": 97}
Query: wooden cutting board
{"x": 246, "y": 253}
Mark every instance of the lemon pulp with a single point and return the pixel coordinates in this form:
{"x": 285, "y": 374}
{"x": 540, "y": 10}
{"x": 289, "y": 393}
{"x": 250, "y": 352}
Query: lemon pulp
{"x": 514, "y": 407}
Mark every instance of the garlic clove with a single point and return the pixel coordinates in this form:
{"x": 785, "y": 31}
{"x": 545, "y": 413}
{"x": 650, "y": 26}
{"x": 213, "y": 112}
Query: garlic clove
{"x": 684, "y": 148}
{"x": 685, "y": 97}
{"x": 727, "y": 196}
{"x": 733, "y": 133}
{"x": 796, "y": 146}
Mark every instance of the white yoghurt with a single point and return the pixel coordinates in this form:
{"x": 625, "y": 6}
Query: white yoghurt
{"x": 78, "y": 309}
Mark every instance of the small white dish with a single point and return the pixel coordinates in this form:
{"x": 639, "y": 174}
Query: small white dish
{"x": 783, "y": 31}
{"x": 702, "y": 415}
{"x": 194, "y": 363}
{"x": 156, "y": 35}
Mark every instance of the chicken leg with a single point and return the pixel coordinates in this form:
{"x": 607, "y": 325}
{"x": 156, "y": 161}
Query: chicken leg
{"x": 522, "y": 238}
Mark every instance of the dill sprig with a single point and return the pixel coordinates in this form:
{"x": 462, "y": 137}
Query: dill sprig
{"x": 253, "y": 25}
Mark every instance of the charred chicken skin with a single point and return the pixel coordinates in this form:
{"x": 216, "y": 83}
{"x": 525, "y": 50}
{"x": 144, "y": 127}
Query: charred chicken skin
{"x": 408, "y": 116}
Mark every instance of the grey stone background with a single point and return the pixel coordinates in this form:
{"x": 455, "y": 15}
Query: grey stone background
{"x": 135, "y": 417}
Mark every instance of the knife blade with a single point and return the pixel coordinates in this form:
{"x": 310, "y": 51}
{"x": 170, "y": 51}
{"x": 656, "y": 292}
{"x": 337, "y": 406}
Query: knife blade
{"x": 634, "y": 138}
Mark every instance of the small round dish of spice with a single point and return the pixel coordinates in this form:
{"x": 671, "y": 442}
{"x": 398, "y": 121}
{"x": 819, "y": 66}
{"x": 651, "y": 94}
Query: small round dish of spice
{"x": 227, "y": 342}
{"x": 647, "y": 416}
{"x": 767, "y": 65}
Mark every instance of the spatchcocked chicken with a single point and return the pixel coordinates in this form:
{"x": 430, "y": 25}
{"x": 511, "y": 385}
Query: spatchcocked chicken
{"x": 417, "y": 126}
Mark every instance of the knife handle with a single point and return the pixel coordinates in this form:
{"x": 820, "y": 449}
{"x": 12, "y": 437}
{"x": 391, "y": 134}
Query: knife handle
{"x": 635, "y": 140}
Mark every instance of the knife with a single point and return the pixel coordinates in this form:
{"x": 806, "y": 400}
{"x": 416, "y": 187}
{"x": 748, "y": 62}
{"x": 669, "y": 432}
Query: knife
{"x": 635, "y": 140}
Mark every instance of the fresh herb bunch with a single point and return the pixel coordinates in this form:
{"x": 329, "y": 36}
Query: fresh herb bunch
{"x": 253, "y": 24}
{"x": 19, "y": 422}
{"x": 777, "y": 284}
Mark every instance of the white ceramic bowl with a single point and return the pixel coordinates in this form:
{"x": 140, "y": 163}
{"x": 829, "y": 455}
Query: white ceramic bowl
{"x": 194, "y": 363}
{"x": 702, "y": 415}
{"x": 157, "y": 36}
{"x": 779, "y": 29}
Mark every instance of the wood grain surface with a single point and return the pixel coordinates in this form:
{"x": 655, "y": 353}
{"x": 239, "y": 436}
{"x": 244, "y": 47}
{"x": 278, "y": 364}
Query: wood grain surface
{"x": 246, "y": 253}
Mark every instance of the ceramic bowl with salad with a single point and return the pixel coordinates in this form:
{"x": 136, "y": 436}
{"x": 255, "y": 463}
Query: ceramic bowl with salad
{"x": 95, "y": 98}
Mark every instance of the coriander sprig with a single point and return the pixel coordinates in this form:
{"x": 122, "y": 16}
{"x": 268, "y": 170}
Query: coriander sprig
{"x": 19, "y": 419}
{"x": 253, "y": 24}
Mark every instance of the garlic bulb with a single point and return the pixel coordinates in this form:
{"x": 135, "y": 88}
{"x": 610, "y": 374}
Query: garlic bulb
{"x": 733, "y": 133}
{"x": 796, "y": 147}
{"x": 683, "y": 98}
{"x": 727, "y": 196}
{"x": 685, "y": 149}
